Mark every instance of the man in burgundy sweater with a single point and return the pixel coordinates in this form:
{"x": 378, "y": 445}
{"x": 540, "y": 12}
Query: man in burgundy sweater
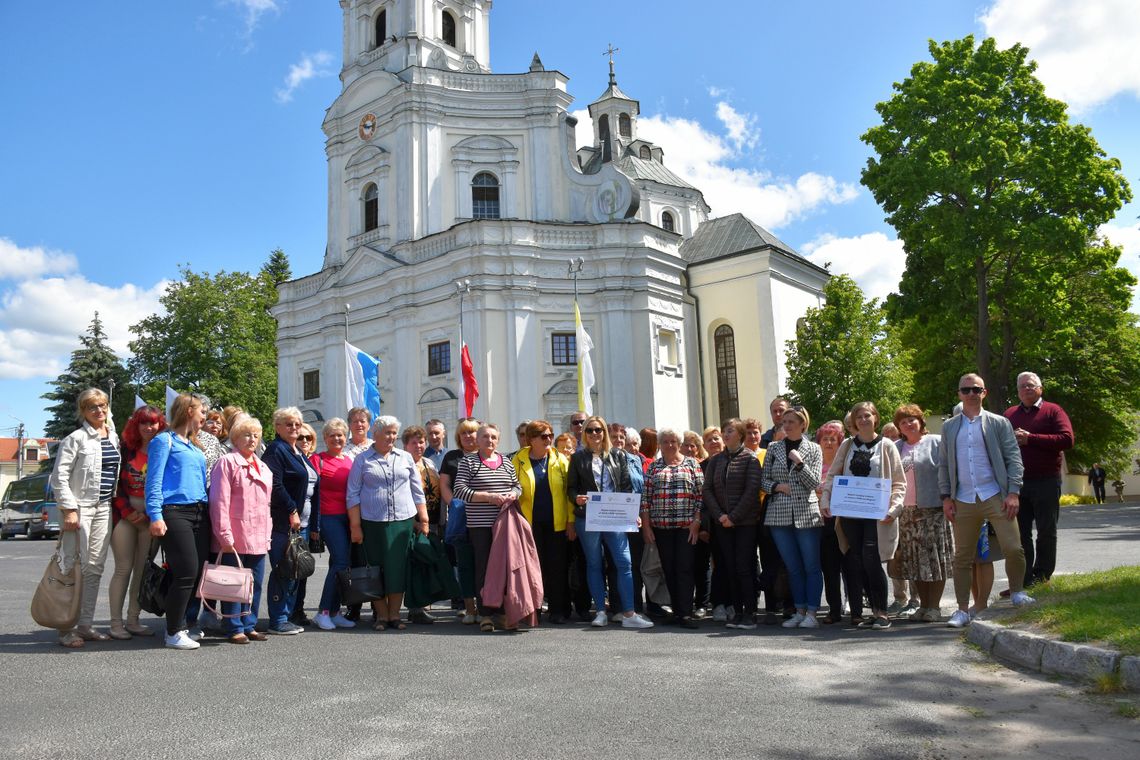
{"x": 1043, "y": 431}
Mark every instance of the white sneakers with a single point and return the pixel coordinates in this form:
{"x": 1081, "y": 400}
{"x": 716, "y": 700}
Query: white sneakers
{"x": 601, "y": 620}
{"x": 960, "y": 619}
{"x": 636, "y": 621}
{"x": 1020, "y": 599}
{"x": 809, "y": 621}
{"x": 181, "y": 640}
{"x": 794, "y": 621}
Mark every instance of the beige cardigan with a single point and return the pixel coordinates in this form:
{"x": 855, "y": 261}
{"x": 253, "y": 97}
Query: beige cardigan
{"x": 890, "y": 467}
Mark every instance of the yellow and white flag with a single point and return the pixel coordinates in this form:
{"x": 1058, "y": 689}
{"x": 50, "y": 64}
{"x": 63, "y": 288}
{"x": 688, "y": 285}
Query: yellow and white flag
{"x": 585, "y": 364}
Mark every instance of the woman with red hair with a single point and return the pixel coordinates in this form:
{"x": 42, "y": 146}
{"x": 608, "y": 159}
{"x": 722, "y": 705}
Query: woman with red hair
{"x": 130, "y": 538}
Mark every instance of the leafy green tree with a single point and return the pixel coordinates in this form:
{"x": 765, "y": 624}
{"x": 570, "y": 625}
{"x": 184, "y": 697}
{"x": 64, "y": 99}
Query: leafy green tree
{"x": 216, "y": 337}
{"x": 844, "y": 352}
{"x": 997, "y": 199}
{"x": 94, "y": 365}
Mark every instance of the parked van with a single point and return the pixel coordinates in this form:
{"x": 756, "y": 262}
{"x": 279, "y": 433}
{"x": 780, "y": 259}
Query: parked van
{"x": 29, "y": 508}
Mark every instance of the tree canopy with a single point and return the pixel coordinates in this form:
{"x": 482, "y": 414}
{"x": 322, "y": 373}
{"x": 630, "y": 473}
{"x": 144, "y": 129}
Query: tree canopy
{"x": 844, "y": 353}
{"x": 216, "y": 337}
{"x": 94, "y": 365}
{"x": 998, "y": 200}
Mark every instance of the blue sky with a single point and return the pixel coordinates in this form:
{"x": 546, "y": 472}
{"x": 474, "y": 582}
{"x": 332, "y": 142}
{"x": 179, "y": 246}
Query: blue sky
{"x": 171, "y": 133}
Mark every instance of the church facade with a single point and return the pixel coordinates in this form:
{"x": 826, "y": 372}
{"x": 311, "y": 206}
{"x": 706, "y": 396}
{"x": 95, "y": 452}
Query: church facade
{"x": 451, "y": 184}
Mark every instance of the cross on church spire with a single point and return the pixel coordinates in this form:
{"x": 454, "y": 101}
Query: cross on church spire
{"x": 610, "y": 52}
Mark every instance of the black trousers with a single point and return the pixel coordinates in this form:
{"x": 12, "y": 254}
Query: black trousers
{"x": 736, "y": 558}
{"x": 1098, "y": 491}
{"x": 677, "y": 565}
{"x": 863, "y": 548}
{"x": 1040, "y": 505}
{"x": 579, "y": 585}
{"x": 702, "y": 566}
{"x": 481, "y": 539}
{"x": 836, "y": 569}
{"x": 187, "y": 545}
{"x": 773, "y": 578}
{"x": 552, "y": 549}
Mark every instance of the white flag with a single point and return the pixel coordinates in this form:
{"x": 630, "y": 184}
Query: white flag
{"x": 585, "y": 364}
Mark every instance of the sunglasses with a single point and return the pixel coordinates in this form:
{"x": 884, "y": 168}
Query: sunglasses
{"x": 593, "y": 431}
{"x": 576, "y": 423}
{"x": 546, "y": 436}
{"x": 972, "y": 389}
{"x": 305, "y": 438}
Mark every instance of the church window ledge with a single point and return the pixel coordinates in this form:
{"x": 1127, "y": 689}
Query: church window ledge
{"x": 667, "y": 348}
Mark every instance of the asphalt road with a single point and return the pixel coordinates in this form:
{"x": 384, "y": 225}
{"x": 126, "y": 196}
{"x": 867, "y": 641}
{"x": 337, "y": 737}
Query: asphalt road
{"x": 444, "y": 691}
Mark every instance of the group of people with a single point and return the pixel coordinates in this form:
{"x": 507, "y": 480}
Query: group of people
{"x": 728, "y": 516}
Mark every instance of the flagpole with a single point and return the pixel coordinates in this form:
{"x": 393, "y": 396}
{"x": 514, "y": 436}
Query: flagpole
{"x": 463, "y": 287}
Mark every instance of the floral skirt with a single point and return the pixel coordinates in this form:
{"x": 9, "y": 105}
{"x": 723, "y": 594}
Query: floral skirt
{"x": 926, "y": 545}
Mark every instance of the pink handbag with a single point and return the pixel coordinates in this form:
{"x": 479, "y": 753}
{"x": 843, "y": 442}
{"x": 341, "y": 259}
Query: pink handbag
{"x": 225, "y": 584}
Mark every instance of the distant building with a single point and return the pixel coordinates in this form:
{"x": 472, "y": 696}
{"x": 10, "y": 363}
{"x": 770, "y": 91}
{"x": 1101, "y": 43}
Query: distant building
{"x": 15, "y": 461}
{"x": 441, "y": 171}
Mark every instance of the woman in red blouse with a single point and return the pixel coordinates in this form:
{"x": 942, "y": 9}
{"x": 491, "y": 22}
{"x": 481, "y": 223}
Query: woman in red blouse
{"x": 332, "y": 466}
{"x": 130, "y": 538}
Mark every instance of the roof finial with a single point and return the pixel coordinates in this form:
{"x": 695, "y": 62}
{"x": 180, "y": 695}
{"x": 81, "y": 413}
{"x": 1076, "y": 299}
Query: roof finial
{"x": 610, "y": 52}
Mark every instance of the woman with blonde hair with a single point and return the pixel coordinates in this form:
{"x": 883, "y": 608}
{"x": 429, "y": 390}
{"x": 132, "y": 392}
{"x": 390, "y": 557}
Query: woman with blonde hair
{"x": 179, "y": 515}
{"x": 874, "y": 542}
{"x": 598, "y": 467}
{"x": 84, "y": 478}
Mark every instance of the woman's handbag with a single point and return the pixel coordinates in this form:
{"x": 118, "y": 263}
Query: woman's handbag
{"x": 297, "y": 562}
{"x": 224, "y": 583}
{"x": 155, "y": 583}
{"x": 362, "y": 584}
{"x": 456, "y": 530}
{"x": 56, "y": 601}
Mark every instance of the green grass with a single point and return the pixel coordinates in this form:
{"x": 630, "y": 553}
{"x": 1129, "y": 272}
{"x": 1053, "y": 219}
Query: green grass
{"x": 1101, "y": 607}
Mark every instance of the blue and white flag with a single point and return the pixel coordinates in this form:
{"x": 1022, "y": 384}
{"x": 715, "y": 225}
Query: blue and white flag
{"x": 139, "y": 403}
{"x": 362, "y": 379}
{"x": 171, "y": 395}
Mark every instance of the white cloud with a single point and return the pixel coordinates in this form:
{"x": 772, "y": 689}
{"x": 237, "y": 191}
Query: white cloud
{"x": 1086, "y": 52}
{"x": 18, "y": 263}
{"x": 311, "y": 65}
{"x": 42, "y": 317}
{"x": 711, "y": 161}
{"x": 742, "y": 129}
{"x": 873, "y": 260}
{"x": 254, "y": 10}
{"x": 1128, "y": 238}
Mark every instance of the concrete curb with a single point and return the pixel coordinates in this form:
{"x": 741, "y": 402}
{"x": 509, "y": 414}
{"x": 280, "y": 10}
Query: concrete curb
{"x": 1043, "y": 655}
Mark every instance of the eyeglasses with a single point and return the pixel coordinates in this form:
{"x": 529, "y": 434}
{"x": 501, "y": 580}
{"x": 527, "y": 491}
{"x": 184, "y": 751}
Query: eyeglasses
{"x": 972, "y": 389}
{"x": 96, "y": 407}
{"x": 595, "y": 431}
{"x": 576, "y": 423}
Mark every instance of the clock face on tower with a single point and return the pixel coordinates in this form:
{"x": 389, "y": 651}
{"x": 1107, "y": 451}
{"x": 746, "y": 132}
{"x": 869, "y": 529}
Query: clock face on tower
{"x": 367, "y": 127}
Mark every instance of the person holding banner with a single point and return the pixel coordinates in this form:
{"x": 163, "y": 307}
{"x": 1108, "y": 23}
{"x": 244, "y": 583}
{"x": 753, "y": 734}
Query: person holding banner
{"x": 865, "y": 489}
{"x": 598, "y": 469}
{"x": 792, "y": 469}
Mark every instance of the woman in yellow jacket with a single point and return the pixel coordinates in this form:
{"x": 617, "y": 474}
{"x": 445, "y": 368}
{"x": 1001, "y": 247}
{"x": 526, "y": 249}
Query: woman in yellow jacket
{"x": 541, "y": 470}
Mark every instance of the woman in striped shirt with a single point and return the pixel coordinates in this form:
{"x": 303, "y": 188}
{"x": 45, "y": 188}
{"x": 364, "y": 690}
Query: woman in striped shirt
{"x": 487, "y": 482}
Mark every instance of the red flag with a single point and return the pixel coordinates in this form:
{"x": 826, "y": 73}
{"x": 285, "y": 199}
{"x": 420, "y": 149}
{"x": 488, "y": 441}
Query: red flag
{"x": 470, "y": 387}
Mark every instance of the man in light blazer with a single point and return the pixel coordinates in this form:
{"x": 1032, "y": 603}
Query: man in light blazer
{"x": 980, "y": 477}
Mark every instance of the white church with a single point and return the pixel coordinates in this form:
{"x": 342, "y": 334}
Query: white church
{"x": 449, "y": 183}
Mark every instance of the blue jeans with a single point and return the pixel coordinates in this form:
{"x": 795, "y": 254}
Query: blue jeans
{"x": 334, "y": 531}
{"x": 247, "y": 622}
{"x": 282, "y": 591}
{"x": 799, "y": 548}
{"x": 618, "y": 545}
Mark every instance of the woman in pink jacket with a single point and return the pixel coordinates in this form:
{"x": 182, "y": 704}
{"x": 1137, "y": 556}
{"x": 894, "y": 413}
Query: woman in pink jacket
{"x": 240, "y": 485}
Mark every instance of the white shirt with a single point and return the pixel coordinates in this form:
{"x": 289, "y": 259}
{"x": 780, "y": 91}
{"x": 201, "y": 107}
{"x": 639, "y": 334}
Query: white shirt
{"x": 976, "y": 481}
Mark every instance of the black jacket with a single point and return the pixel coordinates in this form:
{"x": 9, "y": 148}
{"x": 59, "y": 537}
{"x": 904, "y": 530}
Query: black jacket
{"x": 290, "y": 482}
{"x": 580, "y": 478}
{"x": 732, "y": 487}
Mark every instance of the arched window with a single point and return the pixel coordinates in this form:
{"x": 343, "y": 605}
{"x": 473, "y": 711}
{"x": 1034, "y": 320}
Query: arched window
{"x": 645, "y": 153}
{"x": 724, "y": 347}
{"x": 371, "y": 208}
{"x": 604, "y": 128}
{"x": 448, "y": 28}
{"x": 667, "y": 222}
{"x": 381, "y": 28}
{"x": 625, "y": 128}
{"x": 485, "y": 196}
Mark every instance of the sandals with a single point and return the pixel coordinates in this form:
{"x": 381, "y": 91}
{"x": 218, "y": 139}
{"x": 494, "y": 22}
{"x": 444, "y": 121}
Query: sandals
{"x": 118, "y": 632}
{"x": 239, "y": 638}
{"x": 87, "y": 633}
{"x": 397, "y": 625}
{"x": 379, "y": 624}
{"x": 256, "y": 636}
{"x": 469, "y": 619}
{"x": 71, "y": 640}
{"x": 137, "y": 629}
{"x": 487, "y": 625}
